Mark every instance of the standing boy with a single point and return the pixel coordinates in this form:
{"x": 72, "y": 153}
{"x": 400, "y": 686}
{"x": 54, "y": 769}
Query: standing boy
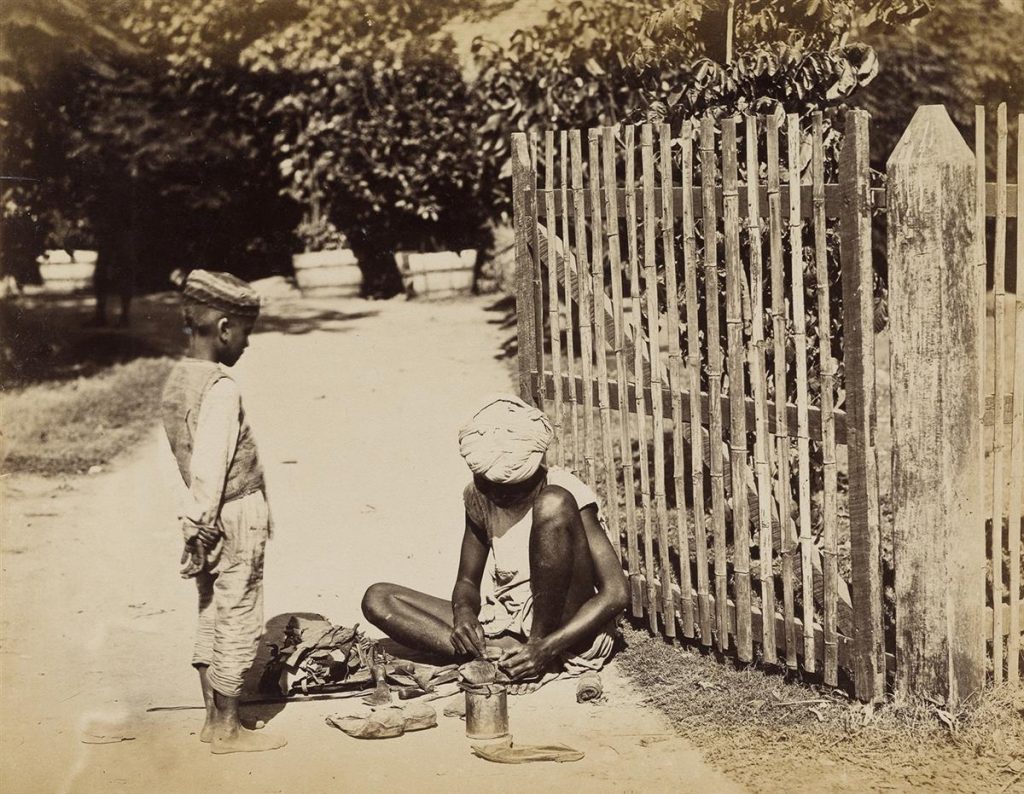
{"x": 225, "y": 518}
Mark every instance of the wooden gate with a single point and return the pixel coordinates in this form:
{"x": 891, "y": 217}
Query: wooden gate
{"x": 723, "y": 405}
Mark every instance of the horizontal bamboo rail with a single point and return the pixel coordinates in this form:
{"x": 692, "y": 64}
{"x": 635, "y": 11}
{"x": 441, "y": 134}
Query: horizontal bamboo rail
{"x": 814, "y": 413}
{"x": 844, "y": 643}
{"x": 833, "y": 200}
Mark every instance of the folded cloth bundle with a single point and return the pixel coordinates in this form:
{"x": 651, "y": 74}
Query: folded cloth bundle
{"x": 589, "y": 687}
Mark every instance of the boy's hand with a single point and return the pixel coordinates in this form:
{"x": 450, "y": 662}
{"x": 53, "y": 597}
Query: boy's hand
{"x": 193, "y": 560}
{"x": 208, "y": 537}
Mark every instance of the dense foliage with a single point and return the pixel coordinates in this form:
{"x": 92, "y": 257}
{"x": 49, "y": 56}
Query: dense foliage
{"x": 45, "y": 53}
{"x": 375, "y": 130}
{"x": 227, "y": 128}
{"x": 235, "y": 133}
{"x": 597, "y": 63}
{"x": 963, "y": 53}
{"x": 159, "y": 153}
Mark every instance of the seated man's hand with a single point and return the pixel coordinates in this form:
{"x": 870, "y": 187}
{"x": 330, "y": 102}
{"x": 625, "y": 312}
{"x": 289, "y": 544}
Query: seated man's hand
{"x": 468, "y": 635}
{"x": 528, "y": 661}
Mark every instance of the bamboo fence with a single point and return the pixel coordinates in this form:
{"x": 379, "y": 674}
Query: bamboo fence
{"x": 696, "y": 375}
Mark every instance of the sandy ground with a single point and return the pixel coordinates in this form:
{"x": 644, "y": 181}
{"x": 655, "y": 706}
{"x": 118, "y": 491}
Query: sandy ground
{"x": 355, "y": 406}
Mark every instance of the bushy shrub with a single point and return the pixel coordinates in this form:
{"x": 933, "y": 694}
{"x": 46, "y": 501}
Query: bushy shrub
{"x": 375, "y": 128}
{"x": 388, "y": 146}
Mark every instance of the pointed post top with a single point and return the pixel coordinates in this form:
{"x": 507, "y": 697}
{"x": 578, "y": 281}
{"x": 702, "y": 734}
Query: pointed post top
{"x": 931, "y": 136}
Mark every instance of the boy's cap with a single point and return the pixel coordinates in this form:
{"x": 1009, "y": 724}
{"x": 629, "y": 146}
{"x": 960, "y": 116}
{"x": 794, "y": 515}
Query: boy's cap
{"x": 222, "y": 291}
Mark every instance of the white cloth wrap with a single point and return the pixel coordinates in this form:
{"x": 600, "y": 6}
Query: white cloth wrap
{"x": 506, "y": 439}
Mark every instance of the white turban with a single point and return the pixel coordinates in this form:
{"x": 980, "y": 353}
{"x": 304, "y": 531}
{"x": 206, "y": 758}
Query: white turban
{"x": 505, "y": 440}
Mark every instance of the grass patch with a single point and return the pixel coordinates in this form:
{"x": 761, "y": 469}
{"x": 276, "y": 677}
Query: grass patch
{"x": 67, "y": 427}
{"x": 772, "y": 734}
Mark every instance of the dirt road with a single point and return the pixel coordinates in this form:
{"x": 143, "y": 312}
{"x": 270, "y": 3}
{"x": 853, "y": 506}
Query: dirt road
{"x": 355, "y": 406}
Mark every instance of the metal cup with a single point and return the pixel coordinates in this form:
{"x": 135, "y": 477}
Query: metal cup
{"x": 486, "y": 711}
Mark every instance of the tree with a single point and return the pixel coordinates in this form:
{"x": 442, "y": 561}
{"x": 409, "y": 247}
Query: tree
{"x": 963, "y": 53}
{"x": 184, "y": 126}
{"x": 45, "y": 49}
{"x": 165, "y": 134}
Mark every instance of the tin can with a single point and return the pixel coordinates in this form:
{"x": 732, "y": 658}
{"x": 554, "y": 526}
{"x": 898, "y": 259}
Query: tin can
{"x": 486, "y": 711}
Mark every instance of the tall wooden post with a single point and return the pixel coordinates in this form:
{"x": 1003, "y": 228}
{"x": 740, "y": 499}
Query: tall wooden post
{"x": 859, "y": 351}
{"x": 526, "y": 317}
{"x": 935, "y": 358}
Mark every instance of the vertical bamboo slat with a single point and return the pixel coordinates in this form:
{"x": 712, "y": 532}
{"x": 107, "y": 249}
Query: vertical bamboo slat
{"x": 525, "y": 327}
{"x": 638, "y": 373}
{"x": 998, "y": 367}
{"x": 585, "y": 308}
{"x": 601, "y": 339}
{"x": 708, "y": 167}
{"x": 538, "y": 283}
{"x": 758, "y": 379}
{"x": 657, "y": 368}
{"x": 828, "y": 431}
{"x": 675, "y": 378}
{"x": 1017, "y": 432}
{"x": 859, "y": 353}
{"x": 570, "y": 337}
{"x": 803, "y": 438}
{"x": 737, "y": 388}
{"x": 783, "y": 495}
{"x": 700, "y": 538}
{"x": 554, "y": 315}
{"x": 610, "y": 184}
{"x": 981, "y": 270}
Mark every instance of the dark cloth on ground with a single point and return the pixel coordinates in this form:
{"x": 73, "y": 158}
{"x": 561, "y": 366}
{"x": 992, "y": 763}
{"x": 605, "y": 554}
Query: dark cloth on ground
{"x": 315, "y": 656}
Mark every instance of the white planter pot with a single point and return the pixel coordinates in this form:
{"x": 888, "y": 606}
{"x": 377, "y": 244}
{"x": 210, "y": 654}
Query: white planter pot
{"x": 323, "y": 273}
{"x": 437, "y": 274}
{"x": 66, "y": 274}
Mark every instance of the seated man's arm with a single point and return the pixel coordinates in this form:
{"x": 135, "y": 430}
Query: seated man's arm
{"x": 467, "y": 633}
{"x": 611, "y": 596}
{"x": 612, "y": 588}
{"x": 609, "y": 600}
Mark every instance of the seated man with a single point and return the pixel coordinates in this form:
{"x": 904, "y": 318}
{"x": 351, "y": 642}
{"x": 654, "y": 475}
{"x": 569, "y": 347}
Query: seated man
{"x": 557, "y": 585}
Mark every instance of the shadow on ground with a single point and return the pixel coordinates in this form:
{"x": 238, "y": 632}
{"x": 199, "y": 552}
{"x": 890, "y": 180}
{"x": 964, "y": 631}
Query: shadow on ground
{"x": 46, "y": 338}
{"x": 505, "y": 309}
{"x": 272, "y": 639}
{"x": 299, "y": 317}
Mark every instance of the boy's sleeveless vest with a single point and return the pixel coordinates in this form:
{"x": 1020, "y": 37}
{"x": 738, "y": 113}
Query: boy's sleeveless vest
{"x": 186, "y": 387}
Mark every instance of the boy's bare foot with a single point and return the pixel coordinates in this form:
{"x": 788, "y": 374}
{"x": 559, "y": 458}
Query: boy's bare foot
{"x": 243, "y": 740}
{"x": 206, "y": 734}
